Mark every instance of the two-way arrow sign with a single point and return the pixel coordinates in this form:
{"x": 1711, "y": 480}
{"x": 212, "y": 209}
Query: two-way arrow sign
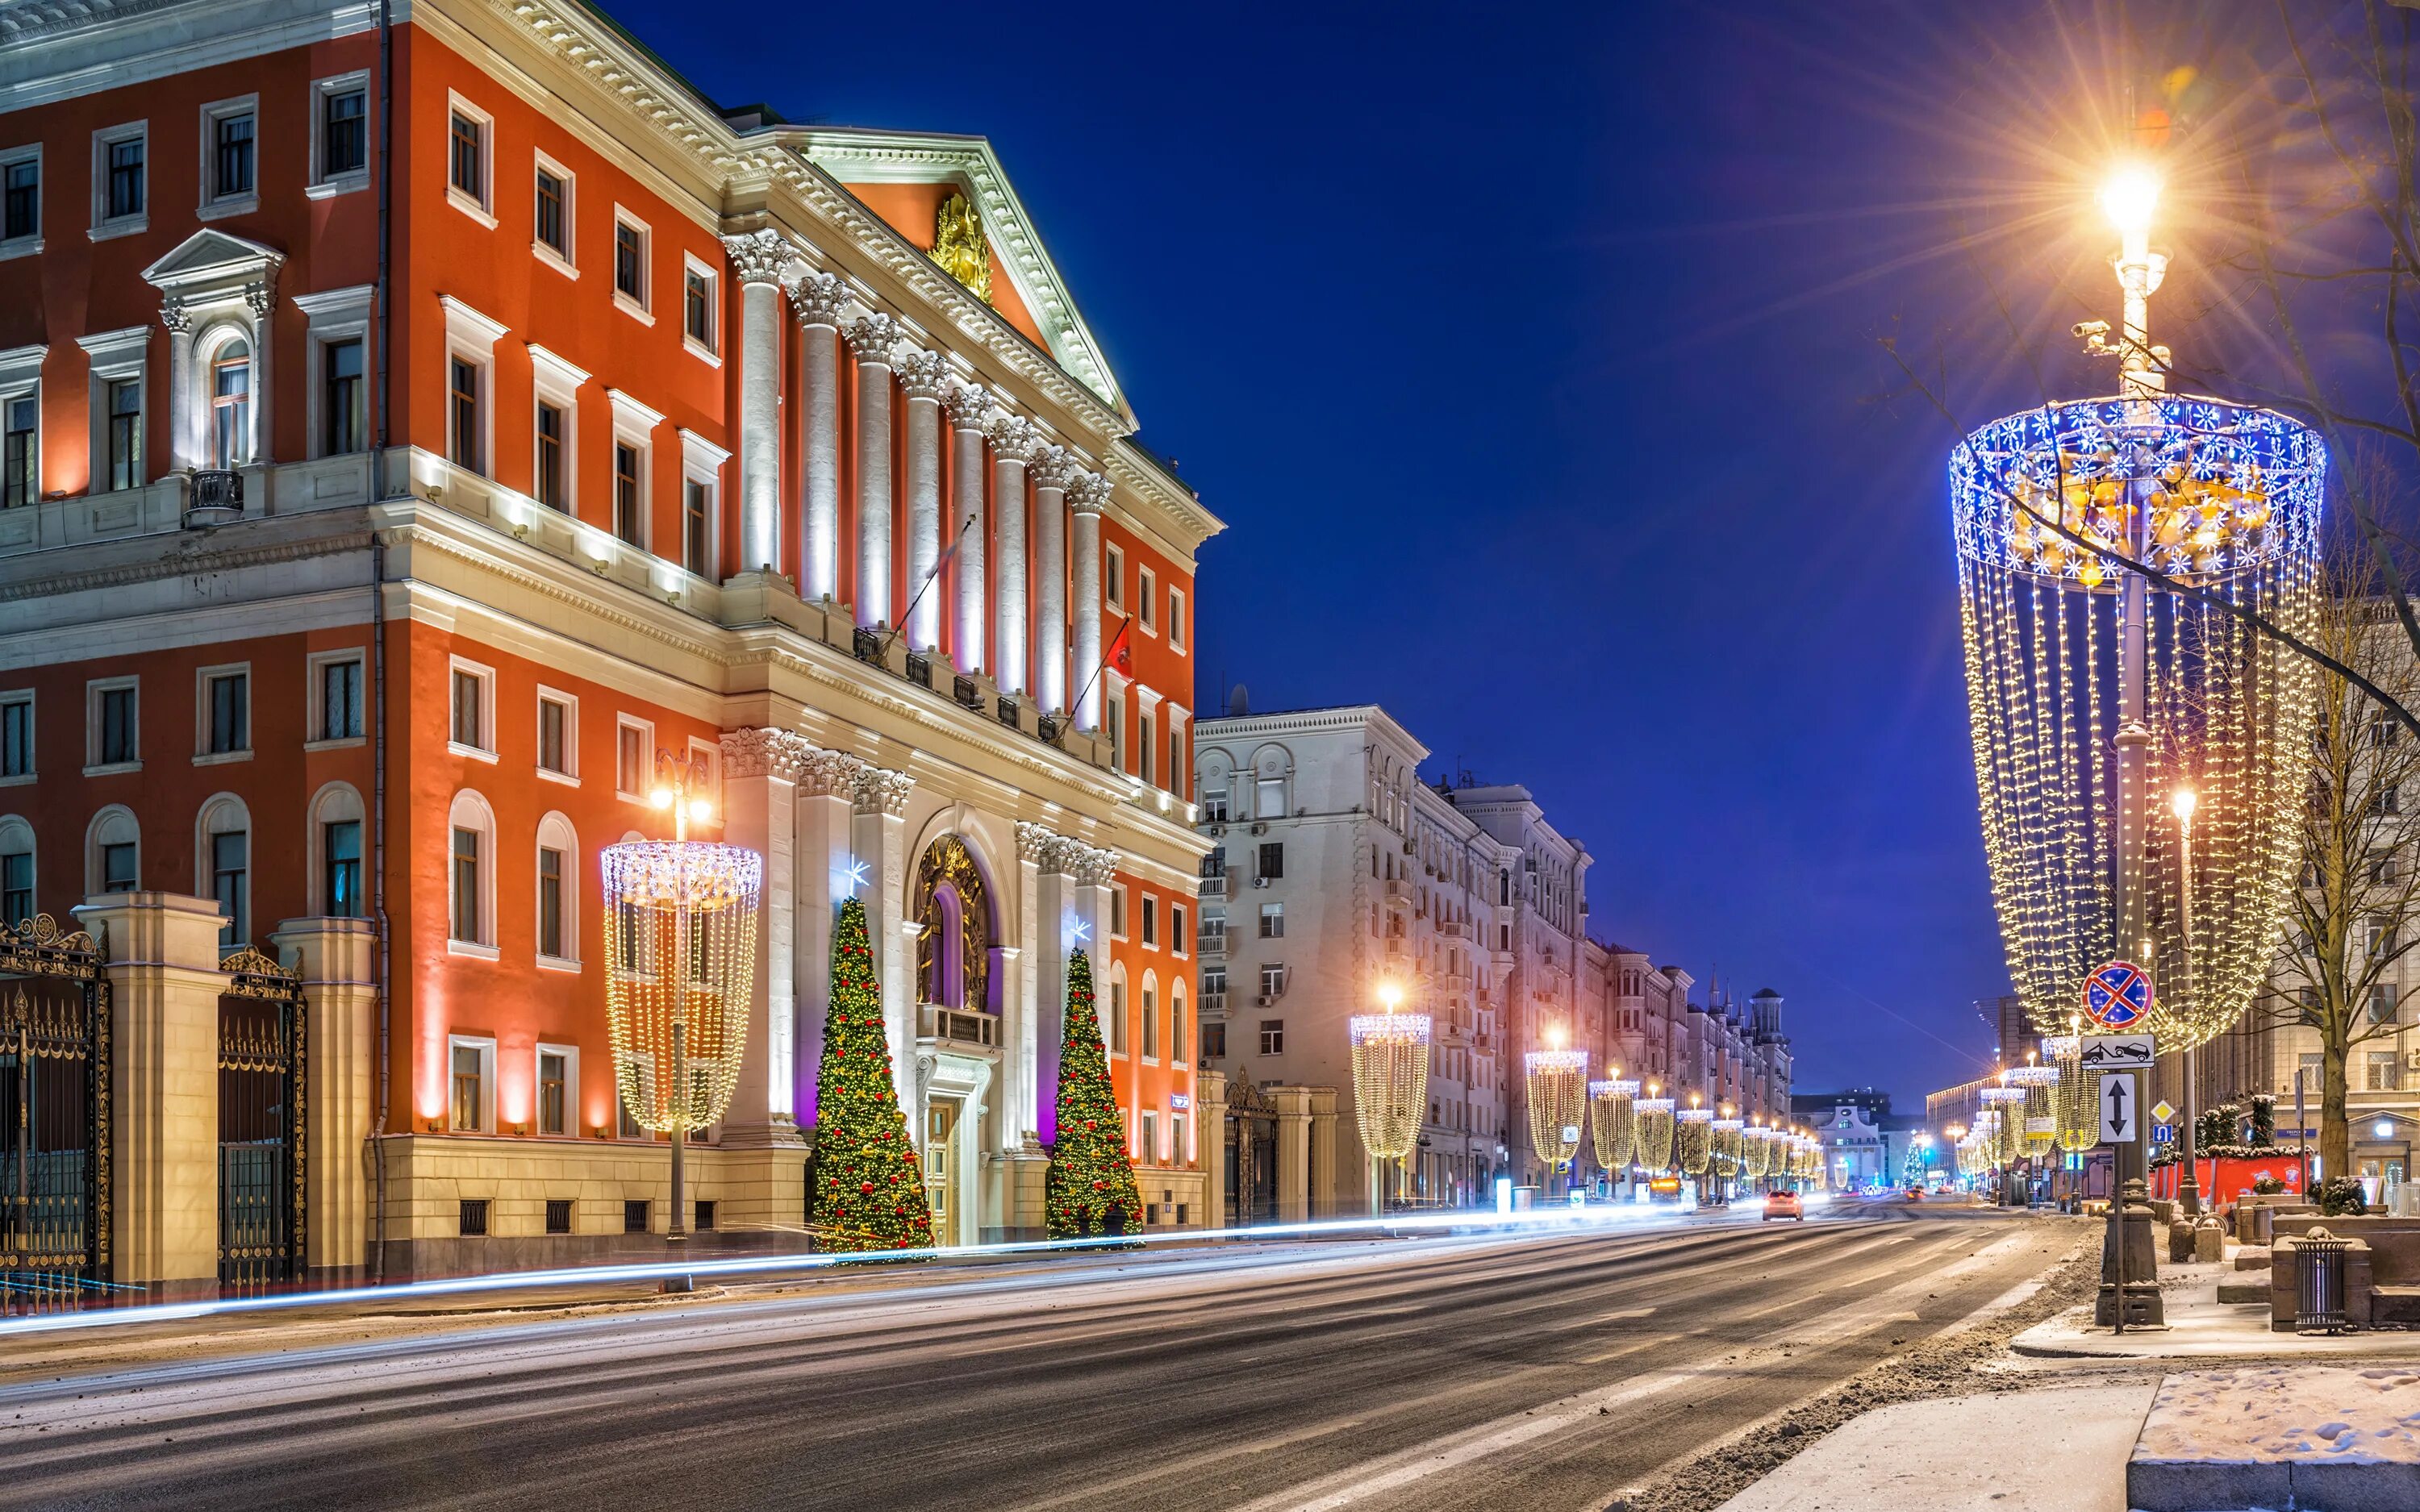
{"x": 2117, "y": 1103}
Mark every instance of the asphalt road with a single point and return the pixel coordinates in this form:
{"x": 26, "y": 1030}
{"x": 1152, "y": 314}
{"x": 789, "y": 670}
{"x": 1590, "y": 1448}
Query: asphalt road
{"x": 1540, "y": 1371}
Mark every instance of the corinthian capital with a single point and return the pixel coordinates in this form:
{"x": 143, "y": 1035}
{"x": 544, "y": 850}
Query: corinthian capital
{"x": 820, "y": 300}
{"x": 828, "y": 774}
{"x": 920, "y": 374}
{"x": 174, "y": 314}
{"x": 969, "y": 406}
{"x": 870, "y": 337}
{"x": 881, "y": 791}
{"x": 1037, "y": 843}
{"x": 763, "y": 753}
{"x": 1087, "y": 492}
{"x": 759, "y": 256}
{"x": 1014, "y": 437}
{"x": 1052, "y": 466}
{"x": 1090, "y": 867}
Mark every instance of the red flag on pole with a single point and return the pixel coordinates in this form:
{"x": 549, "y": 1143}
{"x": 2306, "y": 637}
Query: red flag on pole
{"x": 1121, "y": 649}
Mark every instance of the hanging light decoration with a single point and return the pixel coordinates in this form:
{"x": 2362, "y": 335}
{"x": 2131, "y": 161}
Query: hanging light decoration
{"x": 2079, "y": 1127}
{"x": 1655, "y": 1133}
{"x": 1613, "y": 1123}
{"x": 1391, "y": 1077}
{"x": 1557, "y": 1103}
{"x": 2040, "y": 1111}
{"x": 1693, "y": 1140}
{"x": 2007, "y": 1105}
{"x": 2220, "y": 496}
{"x": 1724, "y": 1161}
{"x": 1761, "y": 1142}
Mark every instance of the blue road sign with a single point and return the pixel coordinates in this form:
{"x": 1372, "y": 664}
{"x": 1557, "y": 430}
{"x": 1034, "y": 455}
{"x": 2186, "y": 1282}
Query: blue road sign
{"x": 2163, "y": 1134}
{"x": 2117, "y": 994}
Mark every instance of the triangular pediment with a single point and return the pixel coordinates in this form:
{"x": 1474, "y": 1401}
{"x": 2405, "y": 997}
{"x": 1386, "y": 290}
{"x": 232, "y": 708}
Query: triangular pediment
{"x": 213, "y": 257}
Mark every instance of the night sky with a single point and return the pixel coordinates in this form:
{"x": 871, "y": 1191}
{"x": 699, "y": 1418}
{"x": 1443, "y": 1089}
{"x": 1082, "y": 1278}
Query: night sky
{"x": 1539, "y": 371}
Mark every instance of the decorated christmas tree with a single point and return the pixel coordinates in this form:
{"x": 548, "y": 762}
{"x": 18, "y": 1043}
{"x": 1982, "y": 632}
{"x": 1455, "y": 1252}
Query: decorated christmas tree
{"x": 1089, "y": 1177}
{"x": 869, "y": 1184}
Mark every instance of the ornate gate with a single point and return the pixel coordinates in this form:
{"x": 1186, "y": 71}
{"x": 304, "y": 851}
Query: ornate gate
{"x": 1251, "y": 1136}
{"x": 262, "y": 1124}
{"x": 55, "y": 1127}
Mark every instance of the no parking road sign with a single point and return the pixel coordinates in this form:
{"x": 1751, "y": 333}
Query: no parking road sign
{"x": 2117, "y": 994}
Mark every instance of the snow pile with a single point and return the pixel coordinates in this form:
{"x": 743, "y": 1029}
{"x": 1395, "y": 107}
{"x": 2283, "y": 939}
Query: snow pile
{"x": 2287, "y": 1413}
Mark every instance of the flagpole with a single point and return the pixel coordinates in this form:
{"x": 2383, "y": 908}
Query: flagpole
{"x": 1116, "y": 642}
{"x": 930, "y": 577}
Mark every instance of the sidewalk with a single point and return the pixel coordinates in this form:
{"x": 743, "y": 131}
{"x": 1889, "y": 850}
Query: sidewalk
{"x": 2200, "y": 1327}
{"x": 2031, "y": 1451}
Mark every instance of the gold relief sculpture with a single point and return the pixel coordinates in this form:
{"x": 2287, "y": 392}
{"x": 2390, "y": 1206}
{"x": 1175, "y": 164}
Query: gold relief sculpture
{"x": 959, "y": 247}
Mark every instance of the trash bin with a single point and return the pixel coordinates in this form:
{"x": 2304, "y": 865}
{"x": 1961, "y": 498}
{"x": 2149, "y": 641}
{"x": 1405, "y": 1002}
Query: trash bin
{"x": 2320, "y": 1284}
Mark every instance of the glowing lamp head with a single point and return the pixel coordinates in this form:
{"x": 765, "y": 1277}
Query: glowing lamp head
{"x": 2383, "y": 1128}
{"x": 699, "y": 810}
{"x": 662, "y": 797}
{"x": 2184, "y": 803}
{"x": 2129, "y": 196}
{"x": 1390, "y": 995}
{"x": 1554, "y": 1038}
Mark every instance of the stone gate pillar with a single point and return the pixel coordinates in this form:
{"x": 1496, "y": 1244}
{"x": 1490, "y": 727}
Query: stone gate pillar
{"x": 336, "y": 959}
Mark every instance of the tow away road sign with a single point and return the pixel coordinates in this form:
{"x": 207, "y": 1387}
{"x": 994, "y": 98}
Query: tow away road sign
{"x": 2119, "y": 1123}
{"x": 2117, "y": 1052}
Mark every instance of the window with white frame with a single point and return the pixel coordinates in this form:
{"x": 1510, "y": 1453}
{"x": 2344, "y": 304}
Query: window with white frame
{"x": 1176, "y": 619}
{"x": 1148, "y": 1153}
{"x": 634, "y": 767}
{"x": 111, "y": 731}
{"x": 114, "y": 362}
{"x": 225, "y": 359}
{"x": 340, "y": 134}
{"x": 469, "y": 380}
{"x": 336, "y": 858}
{"x": 1113, "y": 720}
{"x": 114, "y": 852}
{"x": 1117, "y": 1011}
{"x": 222, "y": 713}
{"x": 21, "y": 200}
{"x": 558, "y": 1089}
{"x": 230, "y": 157}
{"x": 1180, "y": 942}
{"x": 554, "y": 441}
{"x": 558, "y": 736}
{"x": 336, "y": 708}
{"x": 471, "y": 876}
{"x": 225, "y": 862}
{"x": 471, "y": 709}
{"x": 21, "y": 443}
{"x": 1179, "y": 1043}
{"x": 704, "y": 773}
{"x": 701, "y": 506}
{"x": 558, "y": 892}
{"x": 1118, "y": 911}
{"x": 633, "y": 468}
{"x": 16, "y": 871}
{"x": 337, "y": 353}
{"x": 470, "y": 1084}
{"x": 1150, "y": 1017}
{"x": 1113, "y": 578}
{"x": 554, "y": 200}
{"x": 1150, "y": 922}
{"x": 631, "y": 245}
{"x": 701, "y": 309}
{"x": 469, "y": 159}
{"x": 17, "y": 736}
{"x": 1146, "y": 591}
{"x": 121, "y": 181}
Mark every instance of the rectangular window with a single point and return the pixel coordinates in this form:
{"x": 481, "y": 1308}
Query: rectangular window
{"x": 1150, "y": 919}
{"x": 697, "y": 307}
{"x": 630, "y": 261}
{"x": 123, "y": 182}
{"x": 340, "y": 397}
{"x": 1273, "y": 978}
{"x": 549, "y": 903}
{"x": 472, "y": 705}
{"x": 16, "y": 737}
{"x": 1213, "y": 1042}
{"x": 118, "y": 866}
{"x": 1176, "y": 1040}
{"x": 554, "y": 736}
{"x": 231, "y": 407}
{"x": 1272, "y": 921}
{"x": 1146, "y": 593}
{"x": 1273, "y": 858}
{"x": 1147, "y": 750}
{"x": 21, "y": 198}
{"x": 1117, "y": 1018}
{"x": 1118, "y": 912}
{"x": 1114, "y": 718}
{"x": 631, "y": 769}
{"x": 1268, "y": 798}
{"x": 229, "y": 714}
{"x": 548, "y": 473}
{"x": 231, "y": 155}
{"x": 697, "y": 504}
{"x": 340, "y": 845}
{"x": 469, "y": 1099}
{"x": 16, "y": 888}
{"x": 466, "y": 887}
{"x": 1177, "y": 940}
{"x": 2382, "y": 1002}
{"x": 1150, "y": 1023}
{"x": 116, "y": 744}
{"x": 125, "y": 435}
{"x": 1273, "y": 1037}
{"x": 553, "y": 220}
{"x": 634, "y": 1210}
{"x": 1113, "y": 579}
{"x": 340, "y": 700}
{"x": 558, "y": 1215}
{"x": 2382, "y": 1067}
{"x": 630, "y": 503}
{"x": 554, "y": 1101}
{"x": 1176, "y": 619}
{"x": 230, "y": 864}
{"x": 467, "y": 165}
{"x": 344, "y": 132}
{"x": 1214, "y": 806}
{"x": 1214, "y": 930}
{"x": 20, "y": 483}
{"x": 462, "y": 415}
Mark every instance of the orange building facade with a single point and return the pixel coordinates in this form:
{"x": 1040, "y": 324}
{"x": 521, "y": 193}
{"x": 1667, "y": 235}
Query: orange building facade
{"x": 413, "y": 432}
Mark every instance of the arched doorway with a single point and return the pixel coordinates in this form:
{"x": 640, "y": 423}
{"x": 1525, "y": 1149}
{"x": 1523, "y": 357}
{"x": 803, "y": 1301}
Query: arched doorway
{"x": 957, "y": 1031}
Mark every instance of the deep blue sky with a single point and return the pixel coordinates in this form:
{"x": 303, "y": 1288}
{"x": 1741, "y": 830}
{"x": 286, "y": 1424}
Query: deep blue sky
{"x": 1536, "y": 368}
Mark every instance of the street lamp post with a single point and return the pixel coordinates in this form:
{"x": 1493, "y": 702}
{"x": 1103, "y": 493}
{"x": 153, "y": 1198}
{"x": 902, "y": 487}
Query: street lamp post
{"x": 1390, "y": 1085}
{"x": 2183, "y": 803}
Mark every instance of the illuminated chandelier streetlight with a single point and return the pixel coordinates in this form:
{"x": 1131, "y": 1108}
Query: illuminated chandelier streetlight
{"x": 1693, "y": 1138}
{"x": 1613, "y": 1123}
{"x": 1654, "y": 1132}
{"x": 1390, "y": 1083}
{"x": 680, "y": 960}
{"x": 1557, "y": 1101}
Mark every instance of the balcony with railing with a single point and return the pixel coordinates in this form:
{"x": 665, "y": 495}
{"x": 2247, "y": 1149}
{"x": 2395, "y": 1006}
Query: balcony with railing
{"x": 953, "y": 1026}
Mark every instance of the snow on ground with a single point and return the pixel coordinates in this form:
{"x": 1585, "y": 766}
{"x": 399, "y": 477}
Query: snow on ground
{"x": 2289, "y": 1413}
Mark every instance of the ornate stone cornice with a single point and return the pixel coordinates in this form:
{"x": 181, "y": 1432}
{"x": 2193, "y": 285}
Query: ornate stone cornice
{"x": 881, "y": 791}
{"x": 920, "y": 374}
{"x": 820, "y": 300}
{"x": 759, "y": 256}
{"x": 1037, "y": 843}
{"x": 828, "y": 774}
{"x": 1089, "y": 866}
{"x": 969, "y": 407}
{"x": 1087, "y": 492}
{"x": 763, "y": 753}
{"x": 870, "y": 337}
{"x": 1052, "y": 468}
{"x": 1014, "y": 437}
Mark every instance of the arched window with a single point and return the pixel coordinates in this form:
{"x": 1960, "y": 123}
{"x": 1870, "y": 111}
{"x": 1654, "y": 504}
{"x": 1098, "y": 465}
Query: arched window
{"x": 955, "y": 944}
{"x": 558, "y": 892}
{"x": 1112, "y": 1008}
{"x": 335, "y": 839}
{"x": 222, "y": 865}
{"x": 113, "y": 852}
{"x": 227, "y": 361}
{"x": 16, "y": 871}
{"x": 471, "y": 876}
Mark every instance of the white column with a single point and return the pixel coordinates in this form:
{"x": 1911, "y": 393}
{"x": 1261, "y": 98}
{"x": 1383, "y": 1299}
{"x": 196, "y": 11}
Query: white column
{"x": 826, "y": 801}
{"x": 184, "y": 448}
{"x": 757, "y": 260}
{"x": 1085, "y": 496}
{"x": 920, "y": 384}
{"x": 882, "y": 843}
{"x": 821, "y": 301}
{"x": 969, "y": 408}
{"x": 759, "y": 778}
{"x": 261, "y": 300}
{"x": 871, "y": 339}
{"x": 1013, "y": 445}
{"x": 1050, "y": 473}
